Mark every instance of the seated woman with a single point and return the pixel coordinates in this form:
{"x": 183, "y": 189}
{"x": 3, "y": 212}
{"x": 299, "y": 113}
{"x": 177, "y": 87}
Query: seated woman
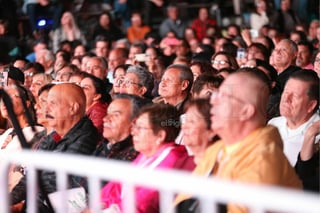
{"x": 9, "y": 141}
{"x": 97, "y": 100}
{"x": 137, "y": 81}
{"x": 196, "y": 128}
{"x": 155, "y": 142}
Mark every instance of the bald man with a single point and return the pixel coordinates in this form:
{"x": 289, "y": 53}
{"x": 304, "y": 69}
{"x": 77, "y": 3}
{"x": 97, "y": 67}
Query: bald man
{"x": 73, "y": 133}
{"x": 249, "y": 151}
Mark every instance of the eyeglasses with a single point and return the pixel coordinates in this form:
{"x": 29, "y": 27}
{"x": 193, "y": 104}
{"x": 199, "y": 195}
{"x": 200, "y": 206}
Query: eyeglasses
{"x": 221, "y": 62}
{"x": 317, "y": 60}
{"x": 139, "y": 128}
{"x": 126, "y": 83}
{"x": 218, "y": 95}
{"x": 168, "y": 81}
{"x": 28, "y": 74}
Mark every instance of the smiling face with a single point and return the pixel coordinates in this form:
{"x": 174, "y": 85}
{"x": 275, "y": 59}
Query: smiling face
{"x": 90, "y": 92}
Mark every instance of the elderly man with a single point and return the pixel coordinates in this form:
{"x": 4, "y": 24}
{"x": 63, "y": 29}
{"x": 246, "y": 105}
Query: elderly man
{"x": 117, "y": 128}
{"x": 175, "y": 86}
{"x": 283, "y": 59}
{"x": 249, "y": 151}
{"x": 298, "y": 106}
{"x": 74, "y": 133}
{"x": 98, "y": 66}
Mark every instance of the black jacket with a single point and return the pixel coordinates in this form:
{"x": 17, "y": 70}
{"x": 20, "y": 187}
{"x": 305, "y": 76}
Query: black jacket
{"x": 81, "y": 139}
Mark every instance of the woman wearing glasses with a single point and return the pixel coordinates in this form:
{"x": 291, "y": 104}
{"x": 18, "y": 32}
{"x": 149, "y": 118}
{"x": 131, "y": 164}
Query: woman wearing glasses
{"x": 223, "y": 60}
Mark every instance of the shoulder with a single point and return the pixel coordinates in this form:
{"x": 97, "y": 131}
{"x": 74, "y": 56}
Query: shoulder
{"x": 277, "y": 121}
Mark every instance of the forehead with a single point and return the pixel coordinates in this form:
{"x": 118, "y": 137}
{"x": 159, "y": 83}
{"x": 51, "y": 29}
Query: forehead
{"x": 94, "y": 61}
{"x": 296, "y": 84}
{"x": 120, "y": 105}
{"x": 132, "y": 75}
{"x": 172, "y": 73}
{"x": 86, "y": 81}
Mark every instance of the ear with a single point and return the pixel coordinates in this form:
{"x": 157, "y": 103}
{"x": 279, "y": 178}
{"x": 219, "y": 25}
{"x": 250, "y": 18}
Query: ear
{"x": 74, "y": 108}
{"x": 247, "y": 112}
{"x": 161, "y": 136}
{"x": 142, "y": 90}
{"x": 312, "y": 104}
{"x": 184, "y": 85}
{"x": 96, "y": 97}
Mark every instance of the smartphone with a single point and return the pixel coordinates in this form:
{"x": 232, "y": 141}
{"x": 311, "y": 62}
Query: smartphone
{"x": 254, "y": 33}
{"x": 142, "y": 57}
{"x": 241, "y": 53}
{"x": 4, "y": 77}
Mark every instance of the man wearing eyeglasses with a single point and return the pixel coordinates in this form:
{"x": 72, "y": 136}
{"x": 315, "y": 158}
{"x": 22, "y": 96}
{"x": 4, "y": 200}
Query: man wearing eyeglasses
{"x": 249, "y": 151}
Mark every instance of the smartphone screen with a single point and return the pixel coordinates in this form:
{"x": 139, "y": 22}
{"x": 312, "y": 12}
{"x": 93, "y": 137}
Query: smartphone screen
{"x": 241, "y": 53}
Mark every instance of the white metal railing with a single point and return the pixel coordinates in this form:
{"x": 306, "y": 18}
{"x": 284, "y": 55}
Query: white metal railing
{"x": 209, "y": 190}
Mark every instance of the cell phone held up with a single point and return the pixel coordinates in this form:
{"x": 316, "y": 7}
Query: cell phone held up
{"x": 241, "y": 53}
{"x": 4, "y": 77}
{"x": 143, "y": 57}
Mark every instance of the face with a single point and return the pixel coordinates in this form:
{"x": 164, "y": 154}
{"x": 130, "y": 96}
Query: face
{"x": 28, "y": 77}
{"x": 114, "y": 60}
{"x": 90, "y": 92}
{"x": 203, "y": 14}
{"x": 102, "y": 49}
{"x": 66, "y": 18}
{"x": 282, "y": 55}
{"x": 295, "y": 103}
{"x": 130, "y": 85}
{"x": 226, "y": 105}
{"x": 136, "y": 20}
{"x": 19, "y": 64}
{"x": 144, "y": 140}
{"x": 118, "y": 75}
{"x": 16, "y": 101}
{"x": 220, "y": 61}
{"x": 37, "y": 83}
{"x": 41, "y": 106}
{"x": 196, "y": 71}
{"x": 63, "y": 75}
{"x": 117, "y": 122}
{"x": 303, "y": 57}
{"x": 79, "y": 50}
{"x": 255, "y": 53}
{"x": 194, "y": 128}
{"x": 205, "y": 92}
{"x": 317, "y": 64}
{"x": 57, "y": 109}
{"x": 170, "y": 85}
{"x": 94, "y": 67}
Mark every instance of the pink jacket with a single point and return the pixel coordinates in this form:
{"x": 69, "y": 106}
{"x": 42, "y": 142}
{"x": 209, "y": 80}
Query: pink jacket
{"x": 170, "y": 156}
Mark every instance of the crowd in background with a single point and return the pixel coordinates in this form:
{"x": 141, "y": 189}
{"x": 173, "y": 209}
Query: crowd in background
{"x": 236, "y": 102}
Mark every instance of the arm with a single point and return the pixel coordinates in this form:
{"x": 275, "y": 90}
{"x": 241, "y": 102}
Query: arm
{"x": 307, "y": 149}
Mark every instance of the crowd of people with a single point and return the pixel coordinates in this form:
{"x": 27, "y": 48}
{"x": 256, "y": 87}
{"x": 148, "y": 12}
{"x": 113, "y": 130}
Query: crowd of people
{"x": 237, "y": 104}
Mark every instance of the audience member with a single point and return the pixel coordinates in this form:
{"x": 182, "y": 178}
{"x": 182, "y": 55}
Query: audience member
{"x": 316, "y": 63}
{"x": 298, "y": 106}
{"x": 304, "y": 56}
{"x": 137, "y": 81}
{"x": 196, "y": 131}
{"x": 205, "y": 85}
{"x": 223, "y": 60}
{"x": 74, "y": 134}
{"x": 249, "y": 151}
{"x": 175, "y": 86}
{"x": 202, "y": 23}
{"x": 137, "y": 31}
{"x": 38, "y": 81}
{"x": 118, "y": 75}
{"x": 173, "y": 23}
{"x": 198, "y": 68}
{"x": 116, "y": 57}
{"x": 260, "y": 17}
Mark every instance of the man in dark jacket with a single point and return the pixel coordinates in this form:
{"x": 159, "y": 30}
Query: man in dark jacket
{"x": 74, "y": 134}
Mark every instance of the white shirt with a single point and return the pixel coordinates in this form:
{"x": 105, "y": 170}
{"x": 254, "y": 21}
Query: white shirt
{"x": 292, "y": 138}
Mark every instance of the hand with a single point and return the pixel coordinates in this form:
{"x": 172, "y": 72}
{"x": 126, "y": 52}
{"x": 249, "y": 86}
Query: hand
{"x": 307, "y": 149}
{"x": 246, "y": 36}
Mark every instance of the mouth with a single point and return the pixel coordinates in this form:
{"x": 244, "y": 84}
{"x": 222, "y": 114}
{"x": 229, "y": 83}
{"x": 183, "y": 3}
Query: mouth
{"x": 49, "y": 116}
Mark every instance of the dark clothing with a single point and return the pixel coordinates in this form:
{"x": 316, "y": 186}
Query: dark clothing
{"x": 284, "y": 75}
{"x": 284, "y": 22}
{"x": 113, "y": 33}
{"x": 81, "y": 139}
{"x": 122, "y": 150}
{"x": 308, "y": 172}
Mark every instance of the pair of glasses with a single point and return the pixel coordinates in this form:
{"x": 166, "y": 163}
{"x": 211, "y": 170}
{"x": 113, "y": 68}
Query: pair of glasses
{"x": 218, "y": 95}
{"x": 126, "y": 83}
{"x": 139, "y": 128}
{"x": 221, "y": 62}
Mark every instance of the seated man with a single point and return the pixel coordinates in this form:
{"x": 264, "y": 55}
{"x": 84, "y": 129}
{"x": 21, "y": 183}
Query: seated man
{"x": 175, "y": 86}
{"x": 249, "y": 151}
{"x": 298, "y": 106}
{"x": 117, "y": 128}
{"x": 74, "y": 133}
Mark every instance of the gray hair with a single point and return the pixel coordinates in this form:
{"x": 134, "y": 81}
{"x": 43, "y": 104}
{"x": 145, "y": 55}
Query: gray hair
{"x": 145, "y": 77}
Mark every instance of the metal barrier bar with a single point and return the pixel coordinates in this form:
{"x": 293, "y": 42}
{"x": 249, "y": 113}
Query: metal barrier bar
{"x": 211, "y": 190}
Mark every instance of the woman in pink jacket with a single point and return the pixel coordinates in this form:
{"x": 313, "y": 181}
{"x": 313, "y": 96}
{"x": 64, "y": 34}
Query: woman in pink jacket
{"x": 154, "y": 132}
